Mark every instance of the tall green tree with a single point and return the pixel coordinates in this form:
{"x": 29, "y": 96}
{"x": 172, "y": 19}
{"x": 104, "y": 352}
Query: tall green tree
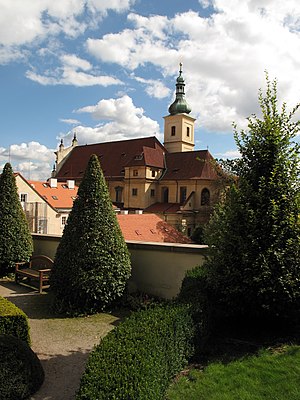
{"x": 92, "y": 263}
{"x": 15, "y": 237}
{"x": 254, "y": 234}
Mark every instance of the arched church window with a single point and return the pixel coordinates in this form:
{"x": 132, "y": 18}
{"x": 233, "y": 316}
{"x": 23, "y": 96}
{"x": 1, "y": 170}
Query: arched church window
{"x": 205, "y": 197}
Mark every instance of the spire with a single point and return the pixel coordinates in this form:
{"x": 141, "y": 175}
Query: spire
{"x": 74, "y": 140}
{"x": 180, "y": 105}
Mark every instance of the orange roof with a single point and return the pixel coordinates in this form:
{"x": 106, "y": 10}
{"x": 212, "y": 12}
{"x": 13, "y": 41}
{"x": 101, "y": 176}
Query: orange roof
{"x": 60, "y": 197}
{"x": 149, "y": 228}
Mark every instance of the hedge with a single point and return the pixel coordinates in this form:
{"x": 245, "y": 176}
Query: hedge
{"x": 21, "y": 372}
{"x": 13, "y": 321}
{"x": 138, "y": 358}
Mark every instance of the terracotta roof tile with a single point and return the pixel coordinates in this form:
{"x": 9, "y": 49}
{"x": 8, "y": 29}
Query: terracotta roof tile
{"x": 163, "y": 208}
{"x": 149, "y": 228}
{"x": 60, "y": 197}
{"x": 190, "y": 165}
{"x": 113, "y": 156}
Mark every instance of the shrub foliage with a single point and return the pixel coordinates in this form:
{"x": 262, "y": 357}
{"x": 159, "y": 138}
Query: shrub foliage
{"x": 254, "y": 234}
{"x": 15, "y": 238}
{"x": 92, "y": 263}
{"x": 13, "y": 321}
{"x": 21, "y": 372}
{"x": 138, "y": 358}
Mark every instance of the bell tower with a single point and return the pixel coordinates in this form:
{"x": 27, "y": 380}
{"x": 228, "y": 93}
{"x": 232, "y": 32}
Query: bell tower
{"x": 179, "y": 125}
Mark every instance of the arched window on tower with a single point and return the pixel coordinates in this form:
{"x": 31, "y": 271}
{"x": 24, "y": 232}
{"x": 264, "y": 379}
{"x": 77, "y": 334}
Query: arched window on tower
{"x": 205, "y": 197}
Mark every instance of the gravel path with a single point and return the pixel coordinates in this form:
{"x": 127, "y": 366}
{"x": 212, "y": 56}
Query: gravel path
{"x": 62, "y": 344}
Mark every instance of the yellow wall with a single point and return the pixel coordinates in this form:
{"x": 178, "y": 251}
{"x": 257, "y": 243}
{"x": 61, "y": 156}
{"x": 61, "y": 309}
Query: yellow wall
{"x": 180, "y": 141}
{"x": 54, "y": 225}
{"x": 157, "y": 268}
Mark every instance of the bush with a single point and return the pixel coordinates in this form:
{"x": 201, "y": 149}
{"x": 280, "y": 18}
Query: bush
{"x": 254, "y": 233}
{"x": 13, "y": 321}
{"x": 195, "y": 292}
{"x": 138, "y": 359}
{"x": 15, "y": 237}
{"x": 21, "y": 373}
{"x": 198, "y": 235}
{"x": 92, "y": 262}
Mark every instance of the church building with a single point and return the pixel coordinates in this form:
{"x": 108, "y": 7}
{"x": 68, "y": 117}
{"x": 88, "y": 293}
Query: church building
{"x": 173, "y": 180}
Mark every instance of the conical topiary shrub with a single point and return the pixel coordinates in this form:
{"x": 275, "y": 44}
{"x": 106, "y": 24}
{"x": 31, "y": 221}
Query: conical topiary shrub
{"x": 92, "y": 263}
{"x": 15, "y": 237}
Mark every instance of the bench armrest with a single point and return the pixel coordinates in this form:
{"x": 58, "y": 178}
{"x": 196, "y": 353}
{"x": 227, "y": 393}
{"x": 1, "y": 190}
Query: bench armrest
{"x": 20, "y": 264}
{"x": 45, "y": 270}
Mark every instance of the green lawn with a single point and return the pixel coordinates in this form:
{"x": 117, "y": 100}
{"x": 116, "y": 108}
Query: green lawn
{"x": 270, "y": 375}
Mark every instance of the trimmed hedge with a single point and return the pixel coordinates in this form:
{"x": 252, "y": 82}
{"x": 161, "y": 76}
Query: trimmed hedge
{"x": 138, "y": 359}
{"x": 13, "y": 321}
{"x": 195, "y": 292}
{"x": 21, "y": 372}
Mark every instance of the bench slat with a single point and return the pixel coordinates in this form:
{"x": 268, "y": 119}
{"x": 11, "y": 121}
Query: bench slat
{"x": 36, "y": 270}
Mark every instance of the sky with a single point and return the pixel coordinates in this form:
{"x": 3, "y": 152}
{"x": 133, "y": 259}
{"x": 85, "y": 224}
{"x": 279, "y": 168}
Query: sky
{"x": 106, "y": 69}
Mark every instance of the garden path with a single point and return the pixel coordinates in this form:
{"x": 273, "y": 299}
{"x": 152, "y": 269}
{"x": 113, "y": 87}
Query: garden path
{"x": 62, "y": 344}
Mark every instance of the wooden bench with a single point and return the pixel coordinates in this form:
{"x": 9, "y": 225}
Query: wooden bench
{"x": 37, "y": 269}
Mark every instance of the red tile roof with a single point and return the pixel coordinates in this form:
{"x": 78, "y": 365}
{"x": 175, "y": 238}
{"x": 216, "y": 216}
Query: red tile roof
{"x": 190, "y": 165}
{"x": 149, "y": 228}
{"x": 60, "y": 197}
{"x": 163, "y": 208}
{"x": 113, "y": 156}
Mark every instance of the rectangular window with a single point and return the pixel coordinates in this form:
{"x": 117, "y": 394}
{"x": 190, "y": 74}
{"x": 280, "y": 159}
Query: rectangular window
{"x": 135, "y": 172}
{"x": 134, "y": 192}
{"x": 188, "y": 131}
{"x": 173, "y": 130}
{"x": 63, "y": 220}
{"x": 152, "y": 192}
{"x": 153, "y": 173}
{"x": 23, "y": 197}
{"x": 182, "y": 194}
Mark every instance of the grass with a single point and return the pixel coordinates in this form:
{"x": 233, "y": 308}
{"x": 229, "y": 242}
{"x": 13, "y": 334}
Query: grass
{"x": 272, "y": 374}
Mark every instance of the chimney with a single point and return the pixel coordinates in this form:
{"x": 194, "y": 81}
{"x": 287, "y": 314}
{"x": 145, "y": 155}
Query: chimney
{"x": 71, "y": 184}
{"x": 53, "y": 182}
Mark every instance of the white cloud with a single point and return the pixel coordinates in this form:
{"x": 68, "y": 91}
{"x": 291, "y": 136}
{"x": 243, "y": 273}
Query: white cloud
{"x": 154, "y": 88}
{"x": 104, "y": 5}
{"x": 70, "y": 121}
{"x": 76, "y": 62}
{"x": 33, "y": 160}
{"x": 224, "y": 55}
{"x": 25, "y": 22}
{"x": 120, "y": 119}
{"x": 73, "y": 72}
{"x": 230, "y": 154}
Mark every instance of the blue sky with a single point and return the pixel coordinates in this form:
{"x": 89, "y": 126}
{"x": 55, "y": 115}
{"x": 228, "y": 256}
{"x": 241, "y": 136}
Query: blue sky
{"x": 107, "y": 69}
